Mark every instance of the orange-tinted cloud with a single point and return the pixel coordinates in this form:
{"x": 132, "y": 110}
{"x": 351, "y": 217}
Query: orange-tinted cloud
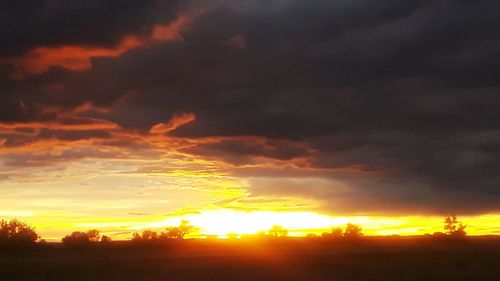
{"x": 68, "y": 124}
{"x": 78, "y": 58}
{"x": 174, "y": 123}
{"x": 86, "y": 107}
{"x": 40, "y": 59}
{"x": 171, "y": 31}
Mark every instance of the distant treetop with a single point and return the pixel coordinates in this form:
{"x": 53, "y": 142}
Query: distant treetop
{"x": 453, "y": 227}
{"x": 278, "y": 231}
{"x": 17, "y": 232}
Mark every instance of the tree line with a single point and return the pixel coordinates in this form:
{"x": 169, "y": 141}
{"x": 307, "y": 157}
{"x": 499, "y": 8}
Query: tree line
{"x": 15, "y": 233}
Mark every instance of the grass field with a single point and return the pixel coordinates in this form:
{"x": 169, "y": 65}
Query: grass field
{"x": 381, "y": 259}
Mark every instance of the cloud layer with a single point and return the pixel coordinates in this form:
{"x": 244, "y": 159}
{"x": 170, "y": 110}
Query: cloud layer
{"x": 363, "y": 106}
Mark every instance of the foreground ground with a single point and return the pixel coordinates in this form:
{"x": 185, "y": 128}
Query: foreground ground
{"x": 294, "y": 259}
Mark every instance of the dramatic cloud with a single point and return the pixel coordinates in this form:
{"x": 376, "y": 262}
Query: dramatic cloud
{"x": 364, "y": 106}
{"x": 53, "y": 23}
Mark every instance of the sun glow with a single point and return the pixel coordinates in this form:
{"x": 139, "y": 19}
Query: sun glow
{"x": 222, "y": 222}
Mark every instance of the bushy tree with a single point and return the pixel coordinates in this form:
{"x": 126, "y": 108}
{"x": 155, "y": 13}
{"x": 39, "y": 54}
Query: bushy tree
{"x": 136, "y": 237}
{"x": 453, "y": 227}
{"x": 178, "y": 232}
{"x": 17, "y": 232}
{"x": 149, "y": 235}
{"x": 76, "y": 238}
{"x": 79, "y": 238}
{"x": 185, "y": 228}
{"x": 105, "y": 239}
{"x": 146, "y": 235}
{"x": 353, "y": 231}
{"x": 278, "y": 231}
{"x": 337, "y": 232}
{"x": 174, "y": 232}
{"x": 94, "y": 235}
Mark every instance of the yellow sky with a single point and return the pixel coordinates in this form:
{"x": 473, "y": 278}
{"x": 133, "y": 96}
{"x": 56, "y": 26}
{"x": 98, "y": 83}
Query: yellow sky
{"x": 220, "y": 222}
{"x": 119, "y": 204}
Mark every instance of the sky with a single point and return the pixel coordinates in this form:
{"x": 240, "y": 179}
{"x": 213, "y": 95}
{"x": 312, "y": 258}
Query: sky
{"x": 238, "y": 115}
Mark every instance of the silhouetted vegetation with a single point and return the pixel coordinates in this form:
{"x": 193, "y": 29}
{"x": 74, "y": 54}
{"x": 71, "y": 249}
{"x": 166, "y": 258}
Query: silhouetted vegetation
{"x": 105, "y": 239}
{"x": 351, "y": 232}
{"x": 15, "y": 233}
{"x": 454, "y": 228}
{"x": 336, "y": 233}
{"x": 82, "y": 239}
{"x": 173, "y": 232}
{"x": 178, "y": 232}
{"x": 146, "y": 235}
{"x": 94, "y": 257}
{"x": 278, "y": 231}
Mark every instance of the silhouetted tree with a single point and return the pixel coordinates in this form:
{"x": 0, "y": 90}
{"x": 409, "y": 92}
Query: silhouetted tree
{"x": 15, "y": 232}
{"x": 76, "y": 238}
{"x": 178, "y": 232}
{"x": 94, "y": 235}
{"x": 278, "y": 231}
{"x": 337, "y": 232}
{"x": 453, "y": 227}
{"x": 105, "y": 239}
{"x": 172, "y": 233}
{"x": 147, "y": 235}
{"x": 136, "y": 237}
{"x": 79, "y": 238}
{"x": 185, "y": 228}
{"x": 353, "y": 231}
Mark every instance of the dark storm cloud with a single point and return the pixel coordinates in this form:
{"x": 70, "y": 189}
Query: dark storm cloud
{"x": 240, "y": 152}
{"x": 300, "y": 63}
{"x": 22, "y": 100}
{"x": 25, "y": 24}
{"x": 408, "y": 89}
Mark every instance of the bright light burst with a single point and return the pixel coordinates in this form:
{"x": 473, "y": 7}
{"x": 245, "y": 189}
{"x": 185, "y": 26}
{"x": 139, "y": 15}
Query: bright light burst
{"x": 223, "y": 222}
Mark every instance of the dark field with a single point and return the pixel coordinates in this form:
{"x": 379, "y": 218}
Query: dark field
{"x": 292, "y": 259}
